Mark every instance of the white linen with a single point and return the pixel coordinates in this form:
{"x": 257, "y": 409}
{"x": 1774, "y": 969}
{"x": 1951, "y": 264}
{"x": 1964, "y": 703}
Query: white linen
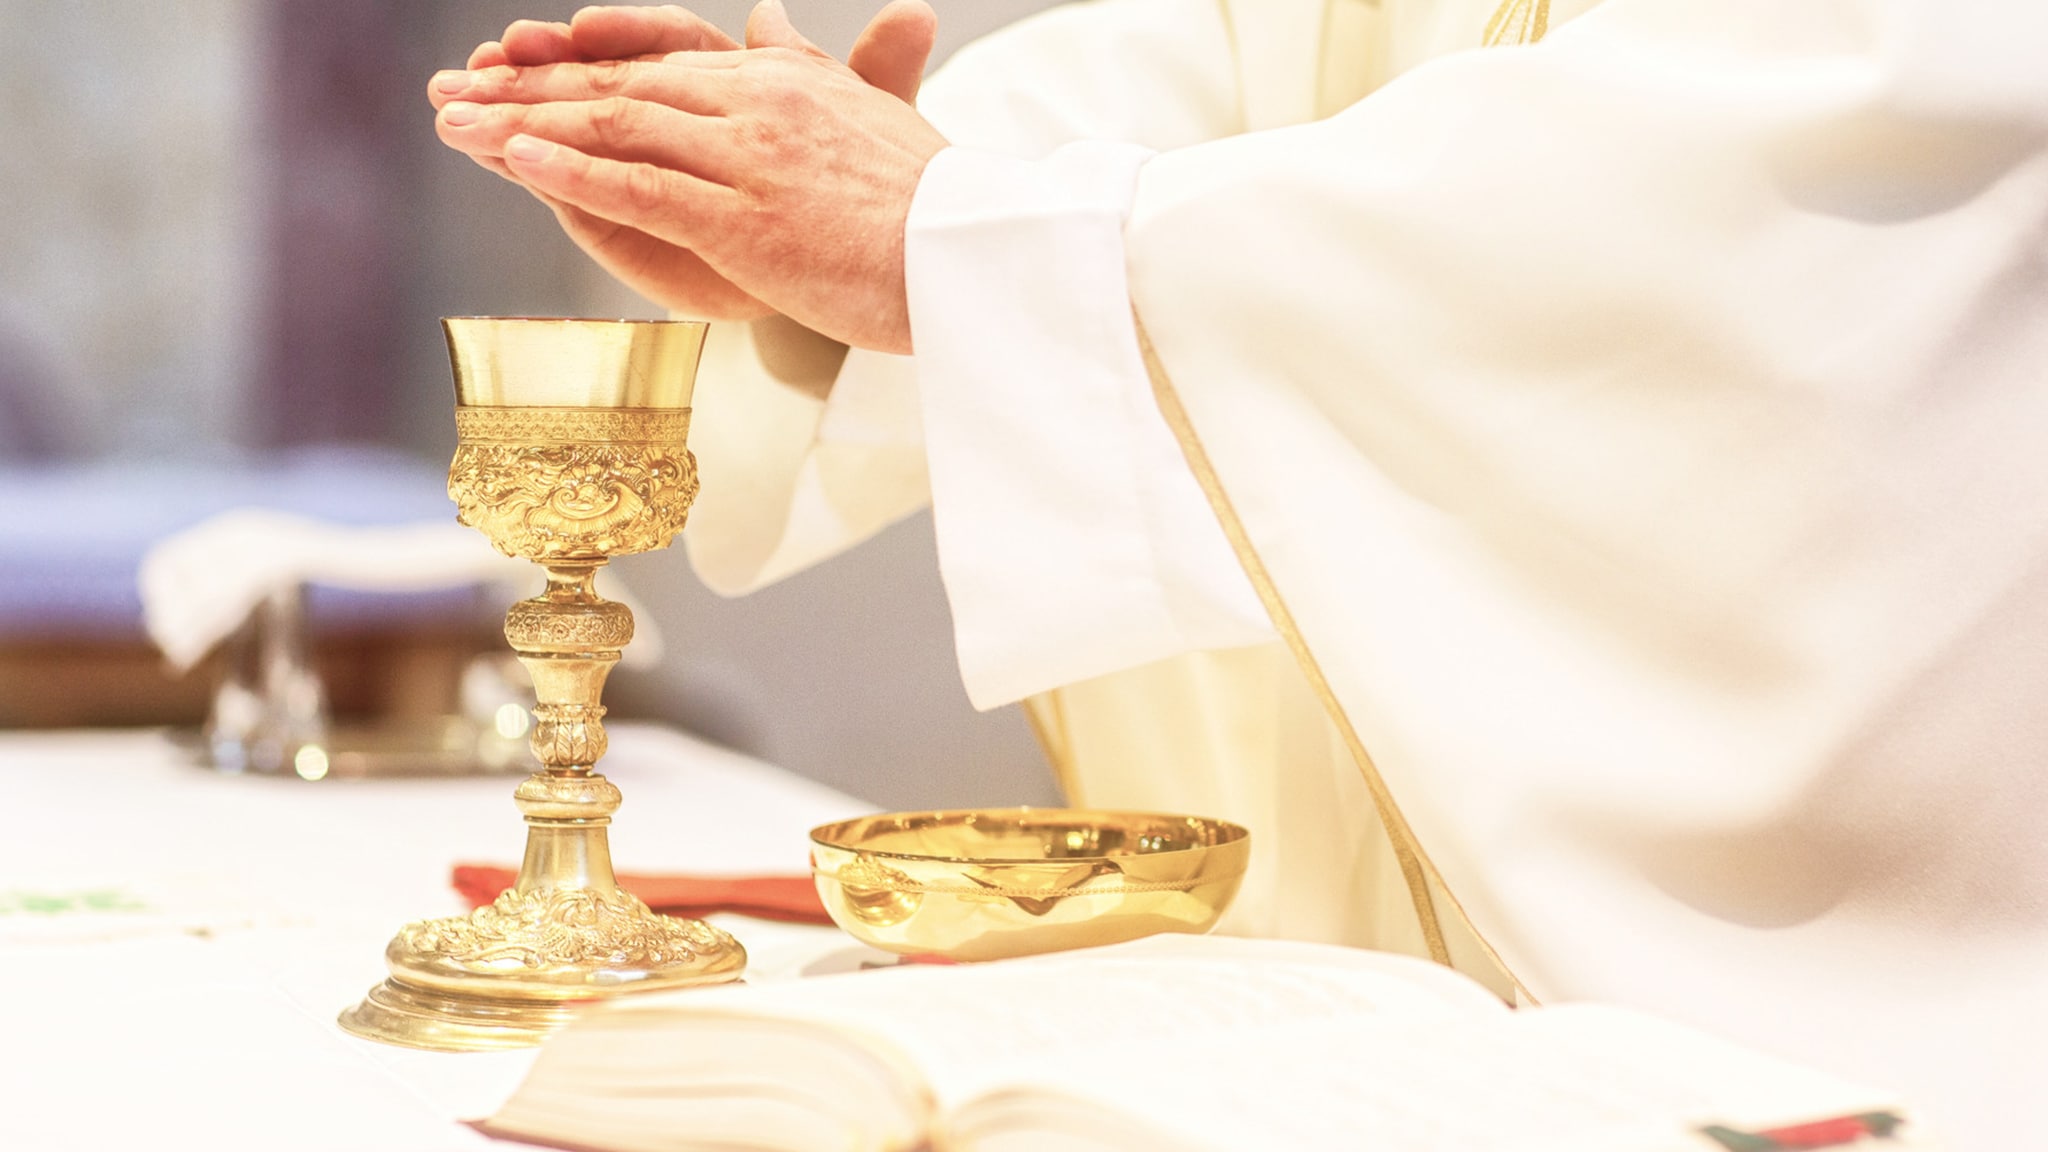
{"x": 210, "y": 1023}
{"x": 200, "y": 584}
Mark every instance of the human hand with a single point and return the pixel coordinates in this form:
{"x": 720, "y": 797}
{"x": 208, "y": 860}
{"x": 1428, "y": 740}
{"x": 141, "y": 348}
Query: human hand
{"x": 672, "y": 277}
{"x": 890, "y": 54}
{"x": 780, "y": 170}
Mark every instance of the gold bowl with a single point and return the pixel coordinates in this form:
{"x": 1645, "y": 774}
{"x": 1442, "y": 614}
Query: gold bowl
{"x": 983, "y": 884}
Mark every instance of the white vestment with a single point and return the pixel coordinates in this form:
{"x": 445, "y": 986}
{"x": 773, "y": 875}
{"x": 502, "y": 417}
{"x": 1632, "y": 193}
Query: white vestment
{"x": 1637, "y": 436}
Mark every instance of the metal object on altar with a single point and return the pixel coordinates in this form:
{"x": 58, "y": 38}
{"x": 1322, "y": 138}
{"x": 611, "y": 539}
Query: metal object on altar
{"x": 571, "y": 451}
{"x": 991, "y": 883}
{"x": 269, "y": 704}
{"x": 270, "y": 715}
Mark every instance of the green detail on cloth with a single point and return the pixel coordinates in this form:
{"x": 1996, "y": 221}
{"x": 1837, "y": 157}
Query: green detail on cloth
{"x": 1735, "y": 1141}
{"x": 87, "y": 901}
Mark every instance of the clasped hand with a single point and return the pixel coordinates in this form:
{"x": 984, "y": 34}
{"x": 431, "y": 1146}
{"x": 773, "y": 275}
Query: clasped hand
{"x": 719, "y": 180}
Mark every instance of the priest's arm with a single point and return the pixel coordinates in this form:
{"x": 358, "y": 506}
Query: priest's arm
{"x": 1638, "y": 434}
{"x": 814, "y": 447}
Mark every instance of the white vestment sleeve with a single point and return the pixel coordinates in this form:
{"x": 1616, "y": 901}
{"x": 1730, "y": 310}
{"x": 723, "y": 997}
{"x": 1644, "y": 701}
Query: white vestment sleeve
{"x": 807, "y": 449}
{"x": 1644, "y": 432}
{"x": 790, "y": 475}
{"x": 1073, "y": 540}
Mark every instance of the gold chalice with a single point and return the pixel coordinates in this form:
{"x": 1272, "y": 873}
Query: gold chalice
{"x": 571, "y": 451}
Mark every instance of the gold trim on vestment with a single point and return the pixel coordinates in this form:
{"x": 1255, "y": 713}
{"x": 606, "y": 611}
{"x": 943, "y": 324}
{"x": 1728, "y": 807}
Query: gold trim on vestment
{"x": 1518, "y": 22}
{"x": 1323, "y": 57}
{"x": 1244, "y": 119}
{"x": 1416, "y": 867}
{"x": 1047, "y": 715}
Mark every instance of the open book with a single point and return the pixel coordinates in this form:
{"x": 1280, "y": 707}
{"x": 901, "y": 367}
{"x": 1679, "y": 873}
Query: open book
{"x": 1174, "y": 1042}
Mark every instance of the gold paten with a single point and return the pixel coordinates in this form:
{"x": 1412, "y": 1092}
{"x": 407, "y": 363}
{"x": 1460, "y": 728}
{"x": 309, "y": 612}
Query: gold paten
{"x": 572, "y": 450}
{"x": 991, "y": 883}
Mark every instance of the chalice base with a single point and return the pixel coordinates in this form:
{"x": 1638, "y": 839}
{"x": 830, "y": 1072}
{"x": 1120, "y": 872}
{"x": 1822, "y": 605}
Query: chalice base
{"x": 513, "y": 971}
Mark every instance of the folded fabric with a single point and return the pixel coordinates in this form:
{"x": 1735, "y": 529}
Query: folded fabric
{"x": 200, "y": 584}
{"x": 790, "y": 898}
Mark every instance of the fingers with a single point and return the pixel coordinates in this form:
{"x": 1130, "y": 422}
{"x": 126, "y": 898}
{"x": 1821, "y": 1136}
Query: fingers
{"x": 617, "y": 128}
{"x": 495, "y": 164}
{"x": 673, "y": 206}
{"x": 892, "y": 50}
{"x": 700, "y": 87}
{"x": 673, "y": 277}
{"x": 768, "y": 26}
{"x": 531, "y": 42}
{"x": 604, "y": 33}
{"x": 625, "y": 33}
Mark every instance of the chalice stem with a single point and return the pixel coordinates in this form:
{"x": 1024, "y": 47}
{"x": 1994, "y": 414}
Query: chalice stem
{"x": 569, "y": 638}
{"x": 566, "y": 854}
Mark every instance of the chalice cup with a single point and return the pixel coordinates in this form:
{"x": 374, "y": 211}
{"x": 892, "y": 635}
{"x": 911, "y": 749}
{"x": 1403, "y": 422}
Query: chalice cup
{"x": 571, "y": 450}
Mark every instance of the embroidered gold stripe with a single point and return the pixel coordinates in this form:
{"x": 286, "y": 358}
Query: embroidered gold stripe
{"x": 1047, "y": 715}
{"x": 1416, "y": 868}
{"x": 1518, "y": 22}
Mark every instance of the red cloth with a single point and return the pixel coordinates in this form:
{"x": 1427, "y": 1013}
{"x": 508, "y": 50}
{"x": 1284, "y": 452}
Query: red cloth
{"x": 792, "y": 898}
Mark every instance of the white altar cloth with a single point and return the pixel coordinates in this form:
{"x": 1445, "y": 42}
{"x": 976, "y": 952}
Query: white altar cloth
{"x": 209, "y": 1021}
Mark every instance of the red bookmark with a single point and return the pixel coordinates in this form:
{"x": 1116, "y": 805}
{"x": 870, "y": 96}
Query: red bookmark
{"x": 1830, "y": 1133}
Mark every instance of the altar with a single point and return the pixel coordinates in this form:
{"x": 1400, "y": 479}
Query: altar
{"x": 177, "y": 943}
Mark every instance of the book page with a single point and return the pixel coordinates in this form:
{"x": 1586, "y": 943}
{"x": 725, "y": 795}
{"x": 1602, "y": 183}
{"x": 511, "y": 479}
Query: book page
{"x": 1571, "y": 1079}
{"x": 689, "y": 1079}
{"x": 973, "y": 1028}
{"x": 865, "y": 1060}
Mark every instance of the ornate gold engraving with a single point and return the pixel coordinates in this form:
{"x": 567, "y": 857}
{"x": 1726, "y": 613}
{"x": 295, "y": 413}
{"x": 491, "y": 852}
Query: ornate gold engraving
{"x": 568, "y": 734}
{"x": 559, "y": 927}
{"x": 573, "y": 502}
{"x": 573, "y": 483}
{"x": 523, "y": 426}
{"x": 537, "y": 624}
